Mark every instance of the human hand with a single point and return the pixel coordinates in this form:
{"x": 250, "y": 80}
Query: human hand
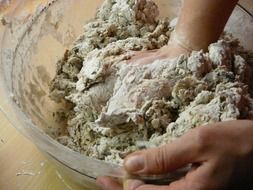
{"x": 221, "y": 153}
{"x": 172, "y": 50}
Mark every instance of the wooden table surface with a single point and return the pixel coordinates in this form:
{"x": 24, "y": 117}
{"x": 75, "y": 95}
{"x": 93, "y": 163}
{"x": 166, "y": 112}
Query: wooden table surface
{"x": 22, "y": 167}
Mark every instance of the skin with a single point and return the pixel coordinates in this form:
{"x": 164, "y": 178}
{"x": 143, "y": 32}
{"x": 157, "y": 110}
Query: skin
{"x": 207, "y": 18}
{"x": 222, "y": 153}
{"x": 201, "y": 22}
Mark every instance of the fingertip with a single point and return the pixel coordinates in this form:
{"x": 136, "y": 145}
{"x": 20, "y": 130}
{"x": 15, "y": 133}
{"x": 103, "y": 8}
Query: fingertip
{"x": 134, "y": 163}
{"x": 108, "y": 183}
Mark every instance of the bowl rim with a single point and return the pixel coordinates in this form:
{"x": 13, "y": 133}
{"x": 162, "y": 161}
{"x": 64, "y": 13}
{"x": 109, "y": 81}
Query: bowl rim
{"x": 239, "y": 5}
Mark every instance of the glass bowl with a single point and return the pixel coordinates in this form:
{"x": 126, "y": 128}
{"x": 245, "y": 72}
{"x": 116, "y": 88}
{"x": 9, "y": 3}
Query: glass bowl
{"x": 30, "y": 46}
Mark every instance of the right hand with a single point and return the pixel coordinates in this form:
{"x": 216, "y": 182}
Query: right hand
{"x": 222, "y": 155}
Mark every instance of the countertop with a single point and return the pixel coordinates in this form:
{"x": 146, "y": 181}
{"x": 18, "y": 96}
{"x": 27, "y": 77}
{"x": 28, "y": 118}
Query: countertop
{"x": 23, "y": 167}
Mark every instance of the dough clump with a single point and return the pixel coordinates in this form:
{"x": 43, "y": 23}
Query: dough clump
{"x": 120, "y": 107}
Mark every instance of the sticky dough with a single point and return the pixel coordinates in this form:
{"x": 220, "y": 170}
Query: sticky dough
{"x": 119, "y": 107}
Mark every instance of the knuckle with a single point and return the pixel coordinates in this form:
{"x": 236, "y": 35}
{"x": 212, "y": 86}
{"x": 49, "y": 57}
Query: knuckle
{"x": 159, "y": 161}
{"x": 202, "y": 138}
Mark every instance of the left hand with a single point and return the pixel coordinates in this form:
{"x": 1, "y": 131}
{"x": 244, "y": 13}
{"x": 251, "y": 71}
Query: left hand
{"x": 222, "y": 153}
{"x": 171, "y": 51}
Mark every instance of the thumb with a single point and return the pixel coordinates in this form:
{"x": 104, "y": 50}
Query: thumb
{"x": 165, "y": 158}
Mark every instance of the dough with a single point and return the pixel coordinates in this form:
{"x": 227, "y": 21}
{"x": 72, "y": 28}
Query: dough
{"x": 120, "y": 107}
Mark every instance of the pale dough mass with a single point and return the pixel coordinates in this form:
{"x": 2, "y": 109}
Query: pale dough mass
{"x": 120, "y": 107}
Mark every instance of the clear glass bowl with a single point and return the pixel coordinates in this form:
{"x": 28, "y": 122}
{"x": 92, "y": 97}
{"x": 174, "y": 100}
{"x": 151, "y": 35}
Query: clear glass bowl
{"x": 30, "y": 47}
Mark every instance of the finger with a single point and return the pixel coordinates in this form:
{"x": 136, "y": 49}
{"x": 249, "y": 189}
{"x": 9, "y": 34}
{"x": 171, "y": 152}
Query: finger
{"x": 202, "y": 178}
{"x": 108, "y": 183}
{"x": 166, "y": 158}
{"x": 153, "y": 187}
{"x": 143, "y": 57}
{"x": 132, "y": 184}
{"x": 184, "y": 183}
{"x": 196, "y": 179}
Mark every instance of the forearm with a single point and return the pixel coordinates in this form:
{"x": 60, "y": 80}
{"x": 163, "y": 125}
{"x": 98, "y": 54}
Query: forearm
{"x": 202, "y": 21}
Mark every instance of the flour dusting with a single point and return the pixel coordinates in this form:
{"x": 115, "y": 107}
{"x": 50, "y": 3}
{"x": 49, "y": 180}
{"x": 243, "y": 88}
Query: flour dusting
{"x": 120, "y": 107}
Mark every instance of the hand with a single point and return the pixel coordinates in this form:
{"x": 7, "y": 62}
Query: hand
{"x": 172, "y": 50}
{"x": 222, "y": 154}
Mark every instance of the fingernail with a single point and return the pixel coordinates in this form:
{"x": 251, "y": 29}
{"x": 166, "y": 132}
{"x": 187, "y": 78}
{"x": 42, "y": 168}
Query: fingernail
{"x": 134, "y": 164}
{"x": 132, "y": 184}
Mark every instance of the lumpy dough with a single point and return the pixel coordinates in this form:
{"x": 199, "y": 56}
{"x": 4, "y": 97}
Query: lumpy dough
{"x": 120, "y": 107}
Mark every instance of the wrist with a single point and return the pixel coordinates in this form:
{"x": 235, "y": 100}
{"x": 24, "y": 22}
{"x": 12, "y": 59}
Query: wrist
{"x": 181, "y": 42}
{"x": 172, "y": 50}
